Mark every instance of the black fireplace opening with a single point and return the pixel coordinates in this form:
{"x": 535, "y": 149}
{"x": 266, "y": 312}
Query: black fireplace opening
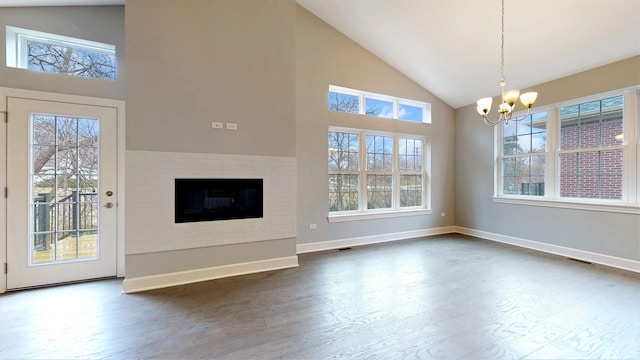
{"x": 217, "y": 199}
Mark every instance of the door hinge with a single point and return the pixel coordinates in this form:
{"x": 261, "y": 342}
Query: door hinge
{"x": 6, "y": 116}
{"x": 6, "y": 268}
{"x": 6, "y": 193}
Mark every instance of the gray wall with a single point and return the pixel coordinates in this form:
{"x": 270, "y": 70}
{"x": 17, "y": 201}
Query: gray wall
{"x": 605, "y": 233}
{"x": 96, "y": 23}
{"x": 194, "y": 62}
{"x": 324, "y": 57}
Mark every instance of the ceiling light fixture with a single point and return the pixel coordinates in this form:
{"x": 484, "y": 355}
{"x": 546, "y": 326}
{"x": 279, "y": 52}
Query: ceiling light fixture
{"x": 509, "y": 98}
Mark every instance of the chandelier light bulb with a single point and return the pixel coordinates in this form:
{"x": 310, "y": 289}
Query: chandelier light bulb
{"x": 505, "y": 108}
{"x": 484, "y": 105}
{"x": 528, "y": 99}
{"x": 511, "y": 97}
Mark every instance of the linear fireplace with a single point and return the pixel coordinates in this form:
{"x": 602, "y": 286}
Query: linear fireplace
{"x": 217, "y": 199}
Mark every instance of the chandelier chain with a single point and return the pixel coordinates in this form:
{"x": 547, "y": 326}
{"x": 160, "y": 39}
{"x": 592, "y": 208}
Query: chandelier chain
{"x": 508, "y": 99}
{"x": 502, "y": 46}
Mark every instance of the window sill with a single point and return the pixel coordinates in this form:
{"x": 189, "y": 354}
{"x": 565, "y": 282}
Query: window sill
{"x": 376, "y": 215}
{"x": 576, "y": 205}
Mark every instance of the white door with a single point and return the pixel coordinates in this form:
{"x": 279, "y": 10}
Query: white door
{"x": 61, "y": 180}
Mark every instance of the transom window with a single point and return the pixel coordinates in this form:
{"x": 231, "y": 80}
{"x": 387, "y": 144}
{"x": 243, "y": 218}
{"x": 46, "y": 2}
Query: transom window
{"x": 343, "y": 99}
{"x": 583, "y": 151}
{"x": 371, "y": 171}
{"x": 39, "y": 51}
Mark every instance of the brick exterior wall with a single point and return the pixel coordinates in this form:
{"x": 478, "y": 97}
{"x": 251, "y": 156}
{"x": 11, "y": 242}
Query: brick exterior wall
{"x": 594, "y": 174}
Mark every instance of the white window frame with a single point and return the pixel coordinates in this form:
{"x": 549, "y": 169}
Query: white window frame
{"x": 630, "y": 201}
{"x": 396, "y": 101}
{"x": 362, "y": 213}
{"x": 17, "y": 52}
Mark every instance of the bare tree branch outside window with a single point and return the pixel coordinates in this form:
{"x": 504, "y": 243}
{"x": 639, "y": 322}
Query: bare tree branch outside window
{"x": 70, "y": 61}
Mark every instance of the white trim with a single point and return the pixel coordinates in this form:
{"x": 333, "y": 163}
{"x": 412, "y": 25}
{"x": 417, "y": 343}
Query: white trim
{"x": 371, "y": 215}
{"x": 3, "y": 200}
{"x": 144, "y": 283}
{"x": 612, "y": 261}
{"x": 577, "y": 205}
{"x": 71, "y": 99}
{"x": 372, "y": 239}
{"x": 120, "y": 194}
{"x": 83, "y": 44}
{"x": 119, "y": 105}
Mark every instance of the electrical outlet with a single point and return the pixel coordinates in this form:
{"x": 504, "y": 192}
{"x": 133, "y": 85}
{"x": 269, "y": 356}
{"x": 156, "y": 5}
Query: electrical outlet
{"x": 216, "y": 125}
{"x": 313, "y": 226}
{"x": 232, "y": 126}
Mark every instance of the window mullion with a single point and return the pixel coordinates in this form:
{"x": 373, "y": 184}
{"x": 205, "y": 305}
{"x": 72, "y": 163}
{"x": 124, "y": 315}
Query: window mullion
{"x": 396, "y": 107}
{"x": 395, "y": 172}
{"x": 498, "y": 155}
{"x": 630, "y": 118}
{"x": 22, "y": 51}
{"x": 552, "y": 170}
{"x": 362, "y": 167}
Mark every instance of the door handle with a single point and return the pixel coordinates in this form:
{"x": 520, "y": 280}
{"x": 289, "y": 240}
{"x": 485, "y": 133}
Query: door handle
{"x": 108, "y": 205}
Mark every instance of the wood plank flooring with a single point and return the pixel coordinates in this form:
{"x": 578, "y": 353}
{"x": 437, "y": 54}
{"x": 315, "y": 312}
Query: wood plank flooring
{"x": 442, "y": 297}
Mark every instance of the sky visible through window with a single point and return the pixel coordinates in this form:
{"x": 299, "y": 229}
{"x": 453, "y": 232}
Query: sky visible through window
{"x": 377, "y": 105}
{"x": 379, "y": 108}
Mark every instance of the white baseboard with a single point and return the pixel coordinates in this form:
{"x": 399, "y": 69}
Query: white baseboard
{"x": 607, "y": 260}
{"x": 373, "y": 239}
{"x": 144, "y": 283}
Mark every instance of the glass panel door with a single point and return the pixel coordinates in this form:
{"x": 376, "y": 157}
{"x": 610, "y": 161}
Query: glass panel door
{"x": 62, "y": 181}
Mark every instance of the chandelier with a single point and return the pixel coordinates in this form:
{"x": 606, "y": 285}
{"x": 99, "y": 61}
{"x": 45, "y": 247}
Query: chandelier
{"x": 509, "y": 98}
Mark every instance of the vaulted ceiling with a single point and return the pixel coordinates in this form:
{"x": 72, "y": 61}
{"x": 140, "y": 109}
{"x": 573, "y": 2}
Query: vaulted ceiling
{"x": 452, "y": 47}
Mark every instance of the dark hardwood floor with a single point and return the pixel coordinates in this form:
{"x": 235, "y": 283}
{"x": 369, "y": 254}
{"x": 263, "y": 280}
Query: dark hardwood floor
{"x": 442, "y": 297}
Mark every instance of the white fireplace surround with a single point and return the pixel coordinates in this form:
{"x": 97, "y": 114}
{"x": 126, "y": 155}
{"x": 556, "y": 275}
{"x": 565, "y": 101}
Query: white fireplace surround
{"x": 150, "y": 181}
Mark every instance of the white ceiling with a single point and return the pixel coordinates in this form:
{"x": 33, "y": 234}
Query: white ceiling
{"x": 452, "y": 47}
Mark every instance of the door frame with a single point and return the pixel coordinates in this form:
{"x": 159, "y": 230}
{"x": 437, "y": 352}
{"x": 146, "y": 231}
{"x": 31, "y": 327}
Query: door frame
{"x": 119, "y": 106}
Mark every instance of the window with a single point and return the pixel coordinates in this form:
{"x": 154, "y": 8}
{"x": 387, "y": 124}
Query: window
{"x": 365, "y": 103}
{"x": 410, "y": 153}
{"x": 39, "y": 51}
{"x": 375, "y": 172}
{"x": 379, "y": 171}
{"x": 523, "y": 155}
{"x": 378, "y": 107}
{"x": 591, "y": 149}
{"x": 579, "y": 152}
{"x": 344, "y": 174}
{"x": 344, "y": 102}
